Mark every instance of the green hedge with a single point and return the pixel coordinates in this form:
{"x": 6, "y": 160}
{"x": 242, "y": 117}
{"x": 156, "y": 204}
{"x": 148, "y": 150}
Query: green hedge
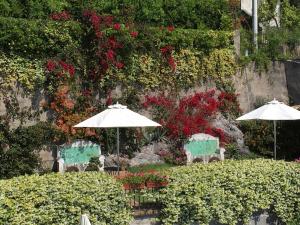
{"x": 39, "y": 37}
{"x": 185, "y": 13}
{"x": 232, "y": 191}
{"x": 45, "y": 38}
{"x": 60, "y": 199}
{"x": 204, "y": 40}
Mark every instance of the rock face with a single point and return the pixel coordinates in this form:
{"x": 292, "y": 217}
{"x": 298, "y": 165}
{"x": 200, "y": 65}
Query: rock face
{"x": 112, "y": 161}
{"x": 232, "y": 131}
{"x": 148, "y": 155}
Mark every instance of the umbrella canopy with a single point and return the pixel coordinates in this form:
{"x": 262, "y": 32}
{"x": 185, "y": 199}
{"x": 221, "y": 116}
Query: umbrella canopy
{"x": 117, "y": 116}
{"x": 84, "y": 220}
{"x": 273, "y": 110}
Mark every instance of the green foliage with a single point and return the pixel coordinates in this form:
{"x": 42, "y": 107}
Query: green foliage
{"x": 94, "y": 164}
{"x": 192, "y": 68}
{"x": 231, "y": 191}
{"x": 188, "y": 13}
{"x": 35, "y": 38}
{"x": 258, "y": 136}
{"x": 29, "y": 74}
{"x": 277, "y": 42}
{"x": 19, "y": 148}
{"x": 62, "y": 198}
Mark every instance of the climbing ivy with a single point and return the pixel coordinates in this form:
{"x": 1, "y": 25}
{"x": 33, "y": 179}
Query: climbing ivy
{"x": 14, "y": 69}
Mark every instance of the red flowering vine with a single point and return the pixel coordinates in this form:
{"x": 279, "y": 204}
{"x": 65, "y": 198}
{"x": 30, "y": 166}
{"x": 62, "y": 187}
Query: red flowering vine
{"x": 189, "y": 115}
{"x": 166, "y": 52}
{"x": 60, "y": 68}
{"x": 60, "y": 16}
{"x": 109, "y": 46}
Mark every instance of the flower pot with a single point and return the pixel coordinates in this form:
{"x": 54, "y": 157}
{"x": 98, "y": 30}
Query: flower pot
{"x": 163, "y": 184}
{"x": 137, "y": 186}
{"x": 151, "y": 184}
{"x": 126, "y": 186}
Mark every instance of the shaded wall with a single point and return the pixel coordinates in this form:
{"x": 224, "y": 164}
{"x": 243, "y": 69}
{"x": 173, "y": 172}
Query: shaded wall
{"x": 254, "y": 87}
{"x": 292, "y": 71}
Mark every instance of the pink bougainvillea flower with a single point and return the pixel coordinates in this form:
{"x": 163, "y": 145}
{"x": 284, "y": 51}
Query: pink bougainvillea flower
{"x": 71, "y": 70}
{"x": 166, "y": 50}
{"x": 172, "y": 63}
{"x": 51, "y": 65}
{"x": 95, "y": 20}
{"x": 113, "y": 43}
{"x": 63, "y": 15}
{"x": 170, "y": 28}
{"x": 108, "y": 20}
{"x": 119, "y": 65}
{"x": 108, "y": 99}
{"x": 64, "y": 65}
{"x": 117, "y": 26}
{"x": 86, "y": 92}
{"x": 110, "y": 55}
{"x": 99, "y": 34}
{"x": 134, "y": 34}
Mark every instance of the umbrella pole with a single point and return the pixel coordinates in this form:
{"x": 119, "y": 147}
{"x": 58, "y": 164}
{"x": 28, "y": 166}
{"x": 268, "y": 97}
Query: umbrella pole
{"x": 118, "y": 149}
{"x": 275, "y": 139}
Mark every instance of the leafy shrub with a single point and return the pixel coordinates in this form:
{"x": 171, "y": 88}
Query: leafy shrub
{"x": 19, "y": 148}
{"x": 38, "y": 37}
{"x": 258, "y": 136}
{"x": 189, "y": 13}
{"x": 94, "y": 164}
{"x": 62, "y": 198}
{"x": 231, "y": 191}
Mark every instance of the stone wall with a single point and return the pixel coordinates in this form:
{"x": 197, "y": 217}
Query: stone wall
{"x": 255, "y": 87}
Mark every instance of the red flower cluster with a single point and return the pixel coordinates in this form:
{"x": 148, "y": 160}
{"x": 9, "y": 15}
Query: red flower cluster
{"x": 189, "y": 115}
{"x": 108, "y": 46}
{"x": 97, "y": 20}
{"x": 117, "y": 26}
{"x": 64, "y": 15}
{"x": 134, "y": 34}
{"x": 108, "y": 99}
{"x": 170, "y": 28}
{"x": 60, "y": 68}
{"x": 167, "y": 54}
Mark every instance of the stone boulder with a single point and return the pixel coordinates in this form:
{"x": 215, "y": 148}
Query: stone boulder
{"x": 231, "y": 130}
{"x": 148, "y": 155}
{"x": 112, "y": 161}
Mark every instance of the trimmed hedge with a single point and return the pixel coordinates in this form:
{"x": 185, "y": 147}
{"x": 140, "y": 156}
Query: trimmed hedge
{"x": 199, "y": 14}
{"x": 231, "y": 191}
{"x": 39, "y": 37}
{"x": 62, "y": 198}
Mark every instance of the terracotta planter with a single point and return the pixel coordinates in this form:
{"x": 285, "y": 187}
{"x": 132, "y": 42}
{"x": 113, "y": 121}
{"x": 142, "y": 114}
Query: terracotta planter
{"x": 163, "y": 184}
{"x": 151, "y": 184}
{"x": 126, "y": 186}
{"x": 137, "y": 186}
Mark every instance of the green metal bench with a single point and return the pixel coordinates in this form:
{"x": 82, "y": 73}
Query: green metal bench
{"x": 203, "y": 146}
{"x": 77, "y": 154}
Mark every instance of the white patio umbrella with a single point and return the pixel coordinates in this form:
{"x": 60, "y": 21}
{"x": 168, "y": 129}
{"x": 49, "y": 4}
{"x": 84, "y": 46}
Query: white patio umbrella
{"x": 273, "y": 110}
{"x": 84, "y": 220}
{"x": 117, "y": 116}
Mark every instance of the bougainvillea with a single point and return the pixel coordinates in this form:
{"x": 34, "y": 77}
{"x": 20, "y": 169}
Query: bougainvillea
{"x": 191, "y": 114}
{"x": 166, "y": 52}
{"x": 60, "y": 16}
